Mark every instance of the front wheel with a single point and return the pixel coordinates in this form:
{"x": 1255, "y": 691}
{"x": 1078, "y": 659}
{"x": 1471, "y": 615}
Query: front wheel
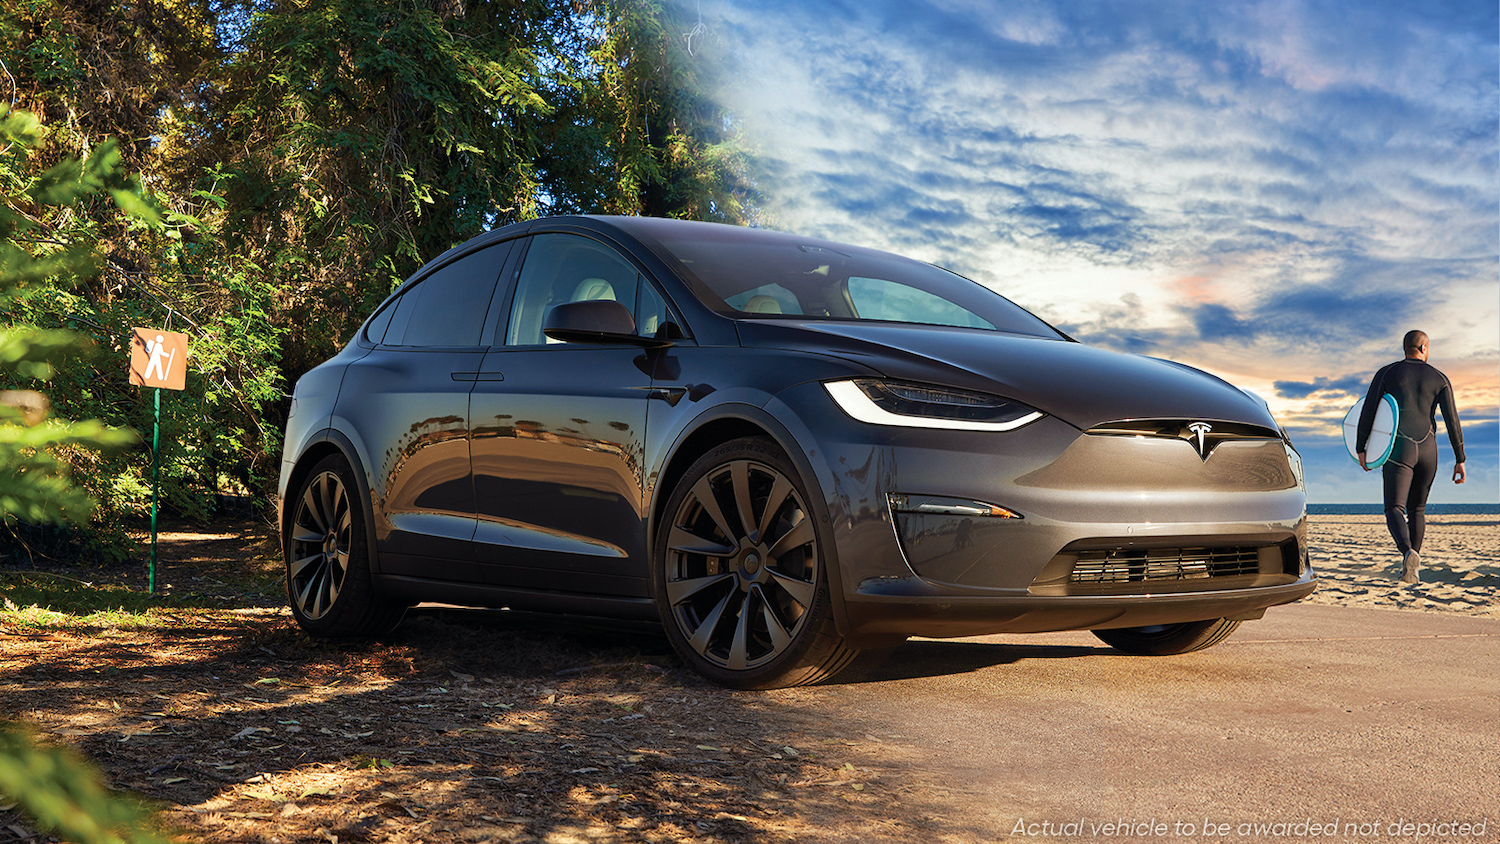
{"x": 328, "y": 580}
{"x": 1168, "y": 639}
{"x": 739, "y": 572}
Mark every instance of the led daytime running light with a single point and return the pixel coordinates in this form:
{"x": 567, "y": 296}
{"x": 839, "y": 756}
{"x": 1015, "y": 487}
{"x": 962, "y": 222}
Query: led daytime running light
{"x": 854, "y": 399}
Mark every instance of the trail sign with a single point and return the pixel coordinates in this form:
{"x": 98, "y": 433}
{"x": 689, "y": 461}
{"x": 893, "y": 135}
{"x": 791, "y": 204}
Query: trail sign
{"x": 158, "y": 358}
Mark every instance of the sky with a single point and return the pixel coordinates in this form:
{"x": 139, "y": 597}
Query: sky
{"x": 1270, "y": 191}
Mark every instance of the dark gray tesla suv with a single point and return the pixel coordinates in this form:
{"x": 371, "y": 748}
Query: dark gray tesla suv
{"x": 785, "y": 449}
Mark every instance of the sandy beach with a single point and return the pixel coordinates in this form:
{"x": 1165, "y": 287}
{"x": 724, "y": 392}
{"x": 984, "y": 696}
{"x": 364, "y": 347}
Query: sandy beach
{"x": 1358, "y": 564}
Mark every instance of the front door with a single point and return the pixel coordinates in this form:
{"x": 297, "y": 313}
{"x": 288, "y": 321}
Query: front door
{"x": 559, "y": 431}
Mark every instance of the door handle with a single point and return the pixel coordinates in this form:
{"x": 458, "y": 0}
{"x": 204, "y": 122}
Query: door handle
{"x": 670, "y": 395}
{"x": 477, "y": 376}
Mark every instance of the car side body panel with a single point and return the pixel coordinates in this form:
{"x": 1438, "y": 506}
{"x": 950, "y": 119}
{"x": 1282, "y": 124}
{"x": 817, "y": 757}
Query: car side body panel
{"x": 558, "y": 443}
{"x": 406, "y": 400}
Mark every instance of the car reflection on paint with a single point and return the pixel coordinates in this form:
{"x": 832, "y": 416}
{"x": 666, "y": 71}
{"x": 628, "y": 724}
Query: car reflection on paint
{"x": 786, "y": 450}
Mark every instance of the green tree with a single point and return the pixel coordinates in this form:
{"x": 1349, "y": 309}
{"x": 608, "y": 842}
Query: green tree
{"x": 307, "y": 155}
{"x": 649, "y": 93}
{"x": 377, "y": 134}
{"x": 49, "y": 784}
{"x": 63, "y": 795}
{"x": 33, "y": 482}
{"x": 133, "y": 71}
{"x": 366, "y": 136}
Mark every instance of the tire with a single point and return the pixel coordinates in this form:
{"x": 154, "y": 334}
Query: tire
{"x": 739, "y": 572}
{"x": 1168, "y": 639}
{"x": 328, "y": 581}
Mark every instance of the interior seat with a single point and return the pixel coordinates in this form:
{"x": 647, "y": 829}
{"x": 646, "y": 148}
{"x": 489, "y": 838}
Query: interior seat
{"x": 763, "y": 304}
{"x": 593, "y": 290}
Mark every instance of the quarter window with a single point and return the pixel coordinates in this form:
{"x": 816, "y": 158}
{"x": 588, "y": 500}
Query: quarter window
{"x": 375, "y": 331}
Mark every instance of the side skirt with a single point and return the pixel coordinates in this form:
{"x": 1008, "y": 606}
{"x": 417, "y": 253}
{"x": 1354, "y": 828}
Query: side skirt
{"x": 417, "y": 590}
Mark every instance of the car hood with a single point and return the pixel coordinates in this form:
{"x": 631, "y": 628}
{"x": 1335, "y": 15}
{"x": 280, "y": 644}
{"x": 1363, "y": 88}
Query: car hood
{"x": 1081, "y": 385}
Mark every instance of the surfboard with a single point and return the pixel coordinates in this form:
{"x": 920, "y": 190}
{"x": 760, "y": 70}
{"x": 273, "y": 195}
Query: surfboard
{"x": 1382, "y": 433}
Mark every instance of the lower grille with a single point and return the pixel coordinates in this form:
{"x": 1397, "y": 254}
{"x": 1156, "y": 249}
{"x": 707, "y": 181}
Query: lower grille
{"x": 1157, "y": 564}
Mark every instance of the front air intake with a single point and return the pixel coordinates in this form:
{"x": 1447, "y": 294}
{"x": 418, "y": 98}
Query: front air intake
{"x": 1101, "y": 567}
{"x": 1155, "y": 564}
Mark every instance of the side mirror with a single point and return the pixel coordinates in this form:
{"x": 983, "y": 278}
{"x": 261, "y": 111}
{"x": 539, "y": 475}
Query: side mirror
{"x": 594, "y": 321}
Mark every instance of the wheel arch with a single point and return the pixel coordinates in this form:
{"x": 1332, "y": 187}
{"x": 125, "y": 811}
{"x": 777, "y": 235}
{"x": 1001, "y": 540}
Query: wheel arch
{"x": 326, "y": 442}
{"x": 731, "y": 422}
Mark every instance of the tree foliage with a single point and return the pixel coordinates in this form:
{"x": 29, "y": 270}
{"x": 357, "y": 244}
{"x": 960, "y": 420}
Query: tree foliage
{"x": 50, "y": 784}
{"x": 303, "y": 157}
{"x": 33, "y": 481}
{"x": 63, "y": 794}
{"x": 367, "y": 137}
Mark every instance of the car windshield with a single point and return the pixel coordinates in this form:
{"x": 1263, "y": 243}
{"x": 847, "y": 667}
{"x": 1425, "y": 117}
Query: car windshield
{"x": 759, "y": 274}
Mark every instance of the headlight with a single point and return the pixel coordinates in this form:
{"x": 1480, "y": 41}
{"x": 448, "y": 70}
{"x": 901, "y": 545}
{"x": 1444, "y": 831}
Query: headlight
{"x": 924, "y": 406}
{"x": 1294, "y": 460}
{"x": 1293, "y": 457}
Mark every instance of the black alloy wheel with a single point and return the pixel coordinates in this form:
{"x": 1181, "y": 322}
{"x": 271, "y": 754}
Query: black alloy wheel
{"x": 1168, "y": 639}
{"x": 740, "y": 574}
{"x": 327, "y": 566}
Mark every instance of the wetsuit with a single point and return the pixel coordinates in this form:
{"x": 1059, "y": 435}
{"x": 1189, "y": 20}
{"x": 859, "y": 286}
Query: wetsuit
{"x": 1419, "y": 390}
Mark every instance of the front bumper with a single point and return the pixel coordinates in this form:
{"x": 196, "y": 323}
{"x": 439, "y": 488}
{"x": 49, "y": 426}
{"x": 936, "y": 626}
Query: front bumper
{"x": 940, "y": 614}
{"x": 1107, "y": 501}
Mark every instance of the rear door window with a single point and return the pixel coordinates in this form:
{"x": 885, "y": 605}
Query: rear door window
{"x": 449, "y": 306}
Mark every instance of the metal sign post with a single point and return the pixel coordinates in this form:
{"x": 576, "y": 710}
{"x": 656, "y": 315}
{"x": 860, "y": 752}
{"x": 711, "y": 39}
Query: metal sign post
{"x": 157, "y": 359}
{"x": 155, "y": 464}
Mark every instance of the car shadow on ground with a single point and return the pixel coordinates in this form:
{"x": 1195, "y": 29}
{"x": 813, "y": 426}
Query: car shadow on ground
{"x": 925, "y": 658}
{"x": 515, "y": 725}
{"x": 911, "y": 660}
{"x": 914, "y": 659}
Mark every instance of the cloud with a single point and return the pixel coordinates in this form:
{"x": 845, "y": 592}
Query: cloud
{"x": 1215, "y": 322}
{"x": 1070, "y": 217}
{"x": 1122, "y": 327}
{"x": 1323, "y": 315}
{"x": 1482, "y": 438}
{"x": 1350, "y": 384}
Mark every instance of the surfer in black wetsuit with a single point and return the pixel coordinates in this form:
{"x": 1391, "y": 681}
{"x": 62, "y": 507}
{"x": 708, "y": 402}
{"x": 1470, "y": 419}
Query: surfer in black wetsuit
{"x": 1419, "y": 389}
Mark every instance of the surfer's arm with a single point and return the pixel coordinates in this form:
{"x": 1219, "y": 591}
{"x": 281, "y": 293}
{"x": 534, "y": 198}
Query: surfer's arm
{"x": 1367, "y": 413}
{"x": 1455, "y": 431}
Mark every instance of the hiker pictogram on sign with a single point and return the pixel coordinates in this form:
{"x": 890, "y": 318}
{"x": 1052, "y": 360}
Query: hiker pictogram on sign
{"x": 158, "y": 359}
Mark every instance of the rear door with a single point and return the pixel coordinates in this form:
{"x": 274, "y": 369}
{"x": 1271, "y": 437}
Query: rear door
{"x": 409, "y": 402}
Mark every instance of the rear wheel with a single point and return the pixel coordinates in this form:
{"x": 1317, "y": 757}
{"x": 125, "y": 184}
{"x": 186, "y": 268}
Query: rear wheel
{"x": 1168, "y": 639}
{"x": 739, "y": 572}
{"x": 328, "y": 580}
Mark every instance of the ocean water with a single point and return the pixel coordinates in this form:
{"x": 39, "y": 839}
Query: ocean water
{"x": 1377, "y": 509}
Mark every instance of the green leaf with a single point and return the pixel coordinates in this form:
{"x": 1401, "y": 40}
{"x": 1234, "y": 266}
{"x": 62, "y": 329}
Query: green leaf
{"x": 133, "y": 204}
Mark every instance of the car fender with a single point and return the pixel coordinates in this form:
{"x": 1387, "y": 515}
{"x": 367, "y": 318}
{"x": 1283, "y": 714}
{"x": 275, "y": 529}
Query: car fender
{"x": 791, "y": 436}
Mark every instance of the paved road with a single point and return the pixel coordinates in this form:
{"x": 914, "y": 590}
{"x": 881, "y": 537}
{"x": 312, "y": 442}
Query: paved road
{"x": 1316, "y": 712}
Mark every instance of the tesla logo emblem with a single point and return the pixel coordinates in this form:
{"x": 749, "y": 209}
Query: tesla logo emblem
{"x": 1200, "y": 430}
